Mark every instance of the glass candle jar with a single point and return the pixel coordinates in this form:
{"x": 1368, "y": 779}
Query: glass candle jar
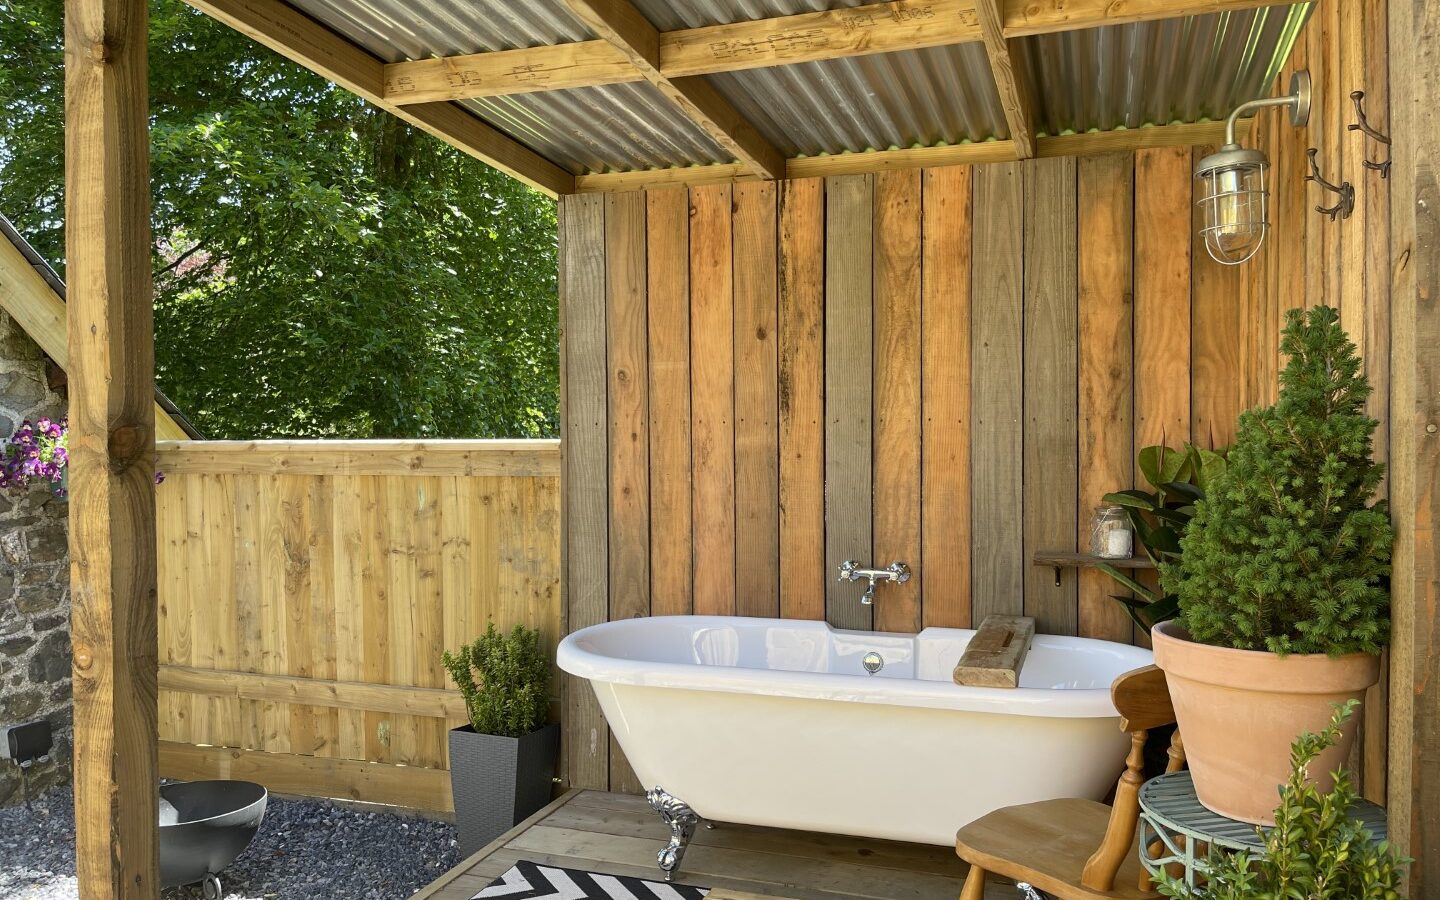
{"x": 1110, "y": 534}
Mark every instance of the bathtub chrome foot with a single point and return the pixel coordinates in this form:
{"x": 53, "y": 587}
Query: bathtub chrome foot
{"x": 681, "y": 819}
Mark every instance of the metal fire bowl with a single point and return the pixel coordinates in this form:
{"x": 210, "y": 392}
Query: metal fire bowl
{"x": 217, "y": 820}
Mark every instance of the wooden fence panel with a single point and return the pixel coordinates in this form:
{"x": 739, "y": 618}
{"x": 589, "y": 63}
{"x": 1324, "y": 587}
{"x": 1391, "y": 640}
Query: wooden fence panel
{"x": 303, "y": 616}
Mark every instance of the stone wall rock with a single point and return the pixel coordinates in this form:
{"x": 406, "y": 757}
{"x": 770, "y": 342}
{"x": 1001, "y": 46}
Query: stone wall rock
{"x": 34, "y": 581}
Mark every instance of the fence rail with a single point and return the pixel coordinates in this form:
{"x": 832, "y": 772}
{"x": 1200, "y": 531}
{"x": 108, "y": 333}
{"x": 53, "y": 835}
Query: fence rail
{"x": 307, "y": 589}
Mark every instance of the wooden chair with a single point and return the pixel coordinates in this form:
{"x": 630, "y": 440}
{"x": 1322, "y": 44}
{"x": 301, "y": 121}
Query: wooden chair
{"x": 1078, "y": 849}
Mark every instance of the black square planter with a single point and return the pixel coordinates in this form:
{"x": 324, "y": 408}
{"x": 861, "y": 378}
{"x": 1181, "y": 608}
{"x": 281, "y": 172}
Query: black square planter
{"x": 499, "y": 781}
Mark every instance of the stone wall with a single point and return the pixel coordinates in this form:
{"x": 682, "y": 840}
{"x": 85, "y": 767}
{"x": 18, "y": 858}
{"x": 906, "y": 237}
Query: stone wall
{"x": 34, "y": 580}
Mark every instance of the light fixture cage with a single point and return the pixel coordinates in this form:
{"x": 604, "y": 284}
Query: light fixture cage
{"x": 1233, "y": 203}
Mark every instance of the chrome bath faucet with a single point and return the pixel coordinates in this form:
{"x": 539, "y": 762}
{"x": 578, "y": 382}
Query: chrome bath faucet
{"x": 851, "y": 570}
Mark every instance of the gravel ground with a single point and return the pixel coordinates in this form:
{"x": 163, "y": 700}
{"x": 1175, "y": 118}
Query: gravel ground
{"x": 305, "y": 849}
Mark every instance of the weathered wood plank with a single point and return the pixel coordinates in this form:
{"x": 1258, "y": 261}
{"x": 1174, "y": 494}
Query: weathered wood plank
{"x": 668, "y": 237}
{"x": 111, "y": 348}
{"x": 1162, "y": 297}
{"x": 1016, "y": 97}
{"x": 311, "y": 776}
{"x": 996, "y": 445}
{"x": 1217, "y": 323}
{"x": 848, "y": 366}
{"x": 1051, "y": 372}
{"x": 582, "y": 310}
{"x": 1045, "y": 16}
{"x": 996, "y": 654}
{"x": 1107, "y": 374}
{"x": 712, "y": 399}
{"x": 757, "y": 479}
{"x": 897, "y": 394}
{"x": 946, "y": 264}
{"x": 801, "y": 399}
{"x": 504, "y": 72}
{"x": 368, "y": 457}
{"x": 311, "y": 691}
{"x": 629, "y": 416}
{"x": 1414, "y": 782}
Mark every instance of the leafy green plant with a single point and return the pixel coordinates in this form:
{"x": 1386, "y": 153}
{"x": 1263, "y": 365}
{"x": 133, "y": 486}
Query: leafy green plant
{"x": 1317, "y": 850}
{"x": 511, "y": 696}
{"x": 1286, "y": 552}
{"x": 1159, "y": 518}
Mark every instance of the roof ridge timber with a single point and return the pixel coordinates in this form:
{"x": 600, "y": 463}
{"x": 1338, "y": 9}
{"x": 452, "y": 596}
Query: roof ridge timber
{"x": 34, "y": 296}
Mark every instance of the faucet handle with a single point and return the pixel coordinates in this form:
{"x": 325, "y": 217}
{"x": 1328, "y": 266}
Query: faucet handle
{"x": 899, "y": 572}
{"x": 848, "y": 570}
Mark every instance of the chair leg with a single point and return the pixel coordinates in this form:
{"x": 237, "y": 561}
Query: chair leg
{"x": 974, "y": 885}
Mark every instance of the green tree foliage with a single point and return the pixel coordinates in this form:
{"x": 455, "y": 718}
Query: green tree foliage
{"x": 510, "y": 698}
{"x": 1286, "y": 551}
{"x": 322, "y": 269}
{"x": 1317, "y": 850}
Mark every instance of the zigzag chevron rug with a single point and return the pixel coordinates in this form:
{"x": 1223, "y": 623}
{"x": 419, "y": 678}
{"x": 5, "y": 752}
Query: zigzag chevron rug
{"x": 530, "y": 881}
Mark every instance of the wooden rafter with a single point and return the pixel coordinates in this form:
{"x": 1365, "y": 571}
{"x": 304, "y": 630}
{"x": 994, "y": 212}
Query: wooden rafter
{"x": 582, "y": 64}
{"x": 296, "y": 36}
{"x": 1015, "y": 97}
{"x": 621, "y": 24}
{"x": 1088, "y": 144}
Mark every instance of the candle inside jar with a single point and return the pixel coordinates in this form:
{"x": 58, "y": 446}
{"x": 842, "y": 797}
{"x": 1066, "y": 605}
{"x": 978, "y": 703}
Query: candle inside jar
{"x": 1118, "y": 543}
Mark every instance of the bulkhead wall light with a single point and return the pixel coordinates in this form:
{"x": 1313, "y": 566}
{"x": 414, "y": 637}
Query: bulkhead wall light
{"x": 1234, "y": 198}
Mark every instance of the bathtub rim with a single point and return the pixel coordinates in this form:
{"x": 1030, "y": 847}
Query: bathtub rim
{"x": 576, "y": 658}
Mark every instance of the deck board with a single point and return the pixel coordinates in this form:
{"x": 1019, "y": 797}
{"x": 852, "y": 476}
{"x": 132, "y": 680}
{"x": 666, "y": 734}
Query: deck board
{"x": 618, "y": 834}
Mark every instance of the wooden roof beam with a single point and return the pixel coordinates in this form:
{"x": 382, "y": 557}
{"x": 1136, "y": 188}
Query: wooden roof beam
{"x": 1087, "y": 144}
{"x": 1016, "y": 98}
{"x": 301, "y": 39}
{"x": 1025, "y": 17}
{"x": 807, "y": 37}
{"x": 620, "y": 23}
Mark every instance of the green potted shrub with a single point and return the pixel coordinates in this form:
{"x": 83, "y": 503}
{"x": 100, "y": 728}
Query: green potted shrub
{"x": 1282, "y": 580}
{"x": 1318, "y": 848}
{"x": 502, "y": 764}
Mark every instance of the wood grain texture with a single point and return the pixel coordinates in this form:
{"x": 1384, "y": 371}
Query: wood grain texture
{"x": 114, "y": 624}
{"x": 945, "y": 574}
{"x": 712, "y": 399}
{"x": 307, "y": 615}
{"x": 1045, "y": 16}
{"x": 1016, "y": 97}
{"x": 996, "y": 439}
{"x": 849, "y": 351}
{"x": 668, "y": 273}
{"x": 628, "y": 416}
{"x": 1107, "y": 375}
{"x": 897, "y": 429}
{"x": 360, "y": 457}
{"x": 1162, "y": 298}
{"x": 757, "y": 436}
{"x": 505, "y": 72}
{"x": 582, "y": 309}
{"x": 996, "y": 654}
{"x": 1414, "y": 782}
{"x": 1217, "y": 345}
{"x": 1050, "y": 385}
{"x": 801, "y": 399}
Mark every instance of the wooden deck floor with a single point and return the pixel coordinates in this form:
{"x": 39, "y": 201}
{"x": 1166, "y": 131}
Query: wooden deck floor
{"x": 618, "y": 834}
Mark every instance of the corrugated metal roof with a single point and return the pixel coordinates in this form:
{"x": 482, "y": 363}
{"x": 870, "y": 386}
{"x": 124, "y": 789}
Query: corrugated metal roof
{"x": 1118, "y": 76}
{"x": 1154, "y": 73}
{"x": 594, "y": 129}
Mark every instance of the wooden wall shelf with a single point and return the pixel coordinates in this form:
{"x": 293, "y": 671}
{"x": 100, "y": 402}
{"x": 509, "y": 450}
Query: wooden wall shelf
{"x": 1062, "y": 559}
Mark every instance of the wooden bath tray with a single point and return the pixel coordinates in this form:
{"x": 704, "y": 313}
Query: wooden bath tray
{"x": 996, "y": 653}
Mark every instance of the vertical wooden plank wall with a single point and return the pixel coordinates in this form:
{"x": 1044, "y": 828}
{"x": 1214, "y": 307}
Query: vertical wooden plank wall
{"x": 947, "y": 366}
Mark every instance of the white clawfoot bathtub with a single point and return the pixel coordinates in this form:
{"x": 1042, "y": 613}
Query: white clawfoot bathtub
{"x": 775, "y": 722}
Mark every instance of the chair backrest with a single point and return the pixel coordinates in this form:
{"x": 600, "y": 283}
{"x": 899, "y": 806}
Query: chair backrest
{"x": 1143, "y": 701}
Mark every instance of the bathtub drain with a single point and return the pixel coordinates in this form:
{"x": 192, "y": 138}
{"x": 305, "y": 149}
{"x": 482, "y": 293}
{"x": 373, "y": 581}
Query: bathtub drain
{"x": 873, "y": 662}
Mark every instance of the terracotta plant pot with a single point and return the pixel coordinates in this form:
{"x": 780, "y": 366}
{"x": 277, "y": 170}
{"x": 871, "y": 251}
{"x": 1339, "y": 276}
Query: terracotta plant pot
{"x": 1239, "y": 711}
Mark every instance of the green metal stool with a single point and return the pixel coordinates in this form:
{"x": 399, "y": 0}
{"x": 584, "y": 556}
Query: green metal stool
{"x": 1172, "y": 817}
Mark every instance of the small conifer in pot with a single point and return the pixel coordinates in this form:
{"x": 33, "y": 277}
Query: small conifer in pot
{"x": 1282, "y": 579}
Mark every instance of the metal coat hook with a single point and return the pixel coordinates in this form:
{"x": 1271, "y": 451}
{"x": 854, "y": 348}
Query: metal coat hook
{"x": 1364, "y": 126}
{"x": 1345, "y": 204}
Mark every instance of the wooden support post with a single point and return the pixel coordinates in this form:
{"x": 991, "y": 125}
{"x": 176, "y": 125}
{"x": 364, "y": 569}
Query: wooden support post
{"x": 1414, "y": 776}
{"x": 112, "y": 448}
